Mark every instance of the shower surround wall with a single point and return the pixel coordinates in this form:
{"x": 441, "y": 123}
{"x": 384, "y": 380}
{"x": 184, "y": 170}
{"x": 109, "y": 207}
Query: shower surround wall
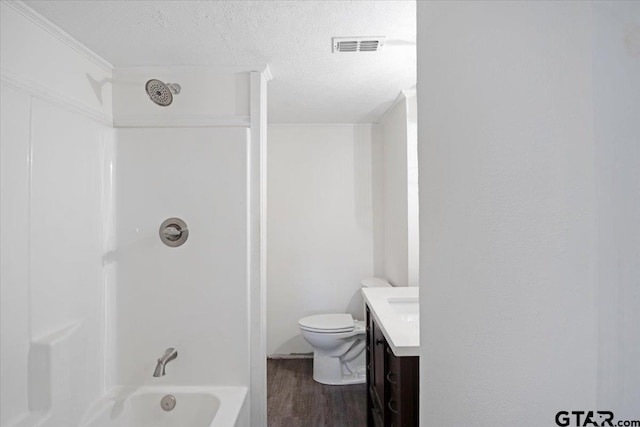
{"x": 69, "y": 330}
{"x": 55, "y": 146}
{"x": 191, "y": 160}
{"x": 192, "y": 297}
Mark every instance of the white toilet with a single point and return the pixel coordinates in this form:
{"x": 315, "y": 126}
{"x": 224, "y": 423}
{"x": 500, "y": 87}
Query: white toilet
{"x": 338, "y": 344}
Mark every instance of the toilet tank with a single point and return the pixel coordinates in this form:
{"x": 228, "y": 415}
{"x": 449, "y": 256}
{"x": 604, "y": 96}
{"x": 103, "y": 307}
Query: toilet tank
{"x": 356, "y": 304}
{"x": 375, "y": 282}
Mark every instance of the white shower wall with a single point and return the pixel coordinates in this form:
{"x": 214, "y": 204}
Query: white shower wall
{"x": 197, "y": 160}
{"x": 55, "y": 145}
{"x": 85, "y": 305}
{"x": 193, "y": 297}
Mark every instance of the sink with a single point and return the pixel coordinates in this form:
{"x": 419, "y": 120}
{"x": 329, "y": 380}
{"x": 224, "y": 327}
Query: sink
{"x": 397, "y": 312}
{"x": 407, "y": 309}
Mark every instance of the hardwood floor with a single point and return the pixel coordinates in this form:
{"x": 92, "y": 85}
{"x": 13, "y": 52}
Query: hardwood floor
{"x": 294, "y": 399}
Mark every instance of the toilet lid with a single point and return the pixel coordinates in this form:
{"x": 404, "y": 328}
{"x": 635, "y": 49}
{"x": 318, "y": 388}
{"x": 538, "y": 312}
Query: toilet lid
{"x": 328, "y": 323}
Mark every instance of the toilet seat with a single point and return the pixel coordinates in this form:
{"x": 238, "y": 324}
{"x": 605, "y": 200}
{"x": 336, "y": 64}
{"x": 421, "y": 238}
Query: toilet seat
{"x": 328, "y": 323}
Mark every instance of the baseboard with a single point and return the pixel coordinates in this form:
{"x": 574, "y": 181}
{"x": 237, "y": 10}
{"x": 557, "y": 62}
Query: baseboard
{"x": 291, "y": 356}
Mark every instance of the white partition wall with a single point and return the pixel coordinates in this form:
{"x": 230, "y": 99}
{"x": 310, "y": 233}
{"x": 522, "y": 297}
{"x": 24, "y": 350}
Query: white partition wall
{"x": 528, "y": 145}
{"x": 616, "y": 72}
{"x": 397, "y": 131}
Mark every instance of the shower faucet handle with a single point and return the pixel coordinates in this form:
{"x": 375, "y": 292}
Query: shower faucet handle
{"x": 173, "y": 232}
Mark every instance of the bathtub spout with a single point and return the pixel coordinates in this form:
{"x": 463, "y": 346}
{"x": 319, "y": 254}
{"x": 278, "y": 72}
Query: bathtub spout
{"x": 168, "y": 356}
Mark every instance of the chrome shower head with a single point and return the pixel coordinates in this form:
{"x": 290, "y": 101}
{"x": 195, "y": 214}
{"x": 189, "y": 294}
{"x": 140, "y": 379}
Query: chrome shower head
{"x": 161, "y": 93}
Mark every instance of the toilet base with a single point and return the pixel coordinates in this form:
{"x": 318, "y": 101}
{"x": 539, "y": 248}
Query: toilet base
{"x": 332, "y": 371}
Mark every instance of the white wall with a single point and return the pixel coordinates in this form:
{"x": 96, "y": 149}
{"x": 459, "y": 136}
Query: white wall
{"x": 14, "y": 290}
{"x": 193, "y": 297}
{"x": 257, "y": 264}
{"x": 507, "y": 209}
{"x": 320, "y": 226}
{"x": 616, "y": 81}
{"x": 400, "y": 183}
{"x": 54, "y": 144}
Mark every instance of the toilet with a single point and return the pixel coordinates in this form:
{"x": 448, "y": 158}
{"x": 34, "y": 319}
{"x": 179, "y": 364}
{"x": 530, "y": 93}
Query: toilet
{"x": 338, "y": 343}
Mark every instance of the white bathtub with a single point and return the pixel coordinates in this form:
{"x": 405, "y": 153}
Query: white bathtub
{"x": 195, "y": 407}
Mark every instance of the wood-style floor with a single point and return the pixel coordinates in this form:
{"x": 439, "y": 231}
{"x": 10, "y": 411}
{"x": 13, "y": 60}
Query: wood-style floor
{"x": 294, "y": 399}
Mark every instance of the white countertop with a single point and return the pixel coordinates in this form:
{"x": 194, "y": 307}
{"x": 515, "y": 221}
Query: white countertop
{"x": 401, "y": 331}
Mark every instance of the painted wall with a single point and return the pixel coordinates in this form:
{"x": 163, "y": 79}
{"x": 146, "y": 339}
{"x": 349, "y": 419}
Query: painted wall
{"x": 508, "y": 290}
{"x": 529, "y": 205}
{"x": 400, "y": 182}
{"x": 55, "y": 144}
{"x": 193, "y": 297}
{"x": 319, "y": 225}
{"x": 616, "y": 82}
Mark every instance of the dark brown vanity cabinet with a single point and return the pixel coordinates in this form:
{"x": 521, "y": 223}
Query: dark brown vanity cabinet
{"x": 392, "y": 383}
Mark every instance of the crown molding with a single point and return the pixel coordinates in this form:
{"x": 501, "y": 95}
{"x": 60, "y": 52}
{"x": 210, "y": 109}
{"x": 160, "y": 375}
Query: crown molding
{"x": 403, "y": 95}
{"x": 267, "y": 73}
{"x": 298, "y": 125}
{"x": 409, "y": 93}
{"x": 181, "y": 120}
{"x": 51, "y": 96}
{"x": 214, "y": 69}
{"x": 58, "y": 33}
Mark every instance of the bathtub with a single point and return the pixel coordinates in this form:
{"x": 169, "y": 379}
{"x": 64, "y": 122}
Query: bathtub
{"x": 140, "y": 407}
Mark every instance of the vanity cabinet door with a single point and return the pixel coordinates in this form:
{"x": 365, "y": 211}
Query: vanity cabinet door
{"x": 379, "y": 349}
{"x": 375, "y": 373}
{"x": 392, "y": 383}
{"x": 394, "y": 396}
{"x": 402, "y": 377}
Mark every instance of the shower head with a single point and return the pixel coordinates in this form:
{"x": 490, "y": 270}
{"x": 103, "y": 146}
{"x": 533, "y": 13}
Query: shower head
{"x": 161, "y": 93}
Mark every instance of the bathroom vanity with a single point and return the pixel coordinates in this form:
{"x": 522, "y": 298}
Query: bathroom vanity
{"x": 393, "y": 344}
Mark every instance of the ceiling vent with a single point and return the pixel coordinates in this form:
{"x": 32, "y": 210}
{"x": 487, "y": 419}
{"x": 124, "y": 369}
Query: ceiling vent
{"x": 357, "y": 44}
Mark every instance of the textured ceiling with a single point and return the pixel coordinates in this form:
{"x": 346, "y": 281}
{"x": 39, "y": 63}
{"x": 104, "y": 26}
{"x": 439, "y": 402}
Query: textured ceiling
{"x": 310, "y": 84}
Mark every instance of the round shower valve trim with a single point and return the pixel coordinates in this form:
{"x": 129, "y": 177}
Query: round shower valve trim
{"x": 173, "y": 232}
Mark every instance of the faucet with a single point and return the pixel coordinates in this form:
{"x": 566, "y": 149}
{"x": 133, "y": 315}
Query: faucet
{"x": 168, "y": 356}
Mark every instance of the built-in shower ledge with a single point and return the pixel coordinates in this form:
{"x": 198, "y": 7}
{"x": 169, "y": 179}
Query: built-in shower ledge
{"x": 32, "y": 419}
{"x": 46, "y": 352}
{"x": 47, "y": 360}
